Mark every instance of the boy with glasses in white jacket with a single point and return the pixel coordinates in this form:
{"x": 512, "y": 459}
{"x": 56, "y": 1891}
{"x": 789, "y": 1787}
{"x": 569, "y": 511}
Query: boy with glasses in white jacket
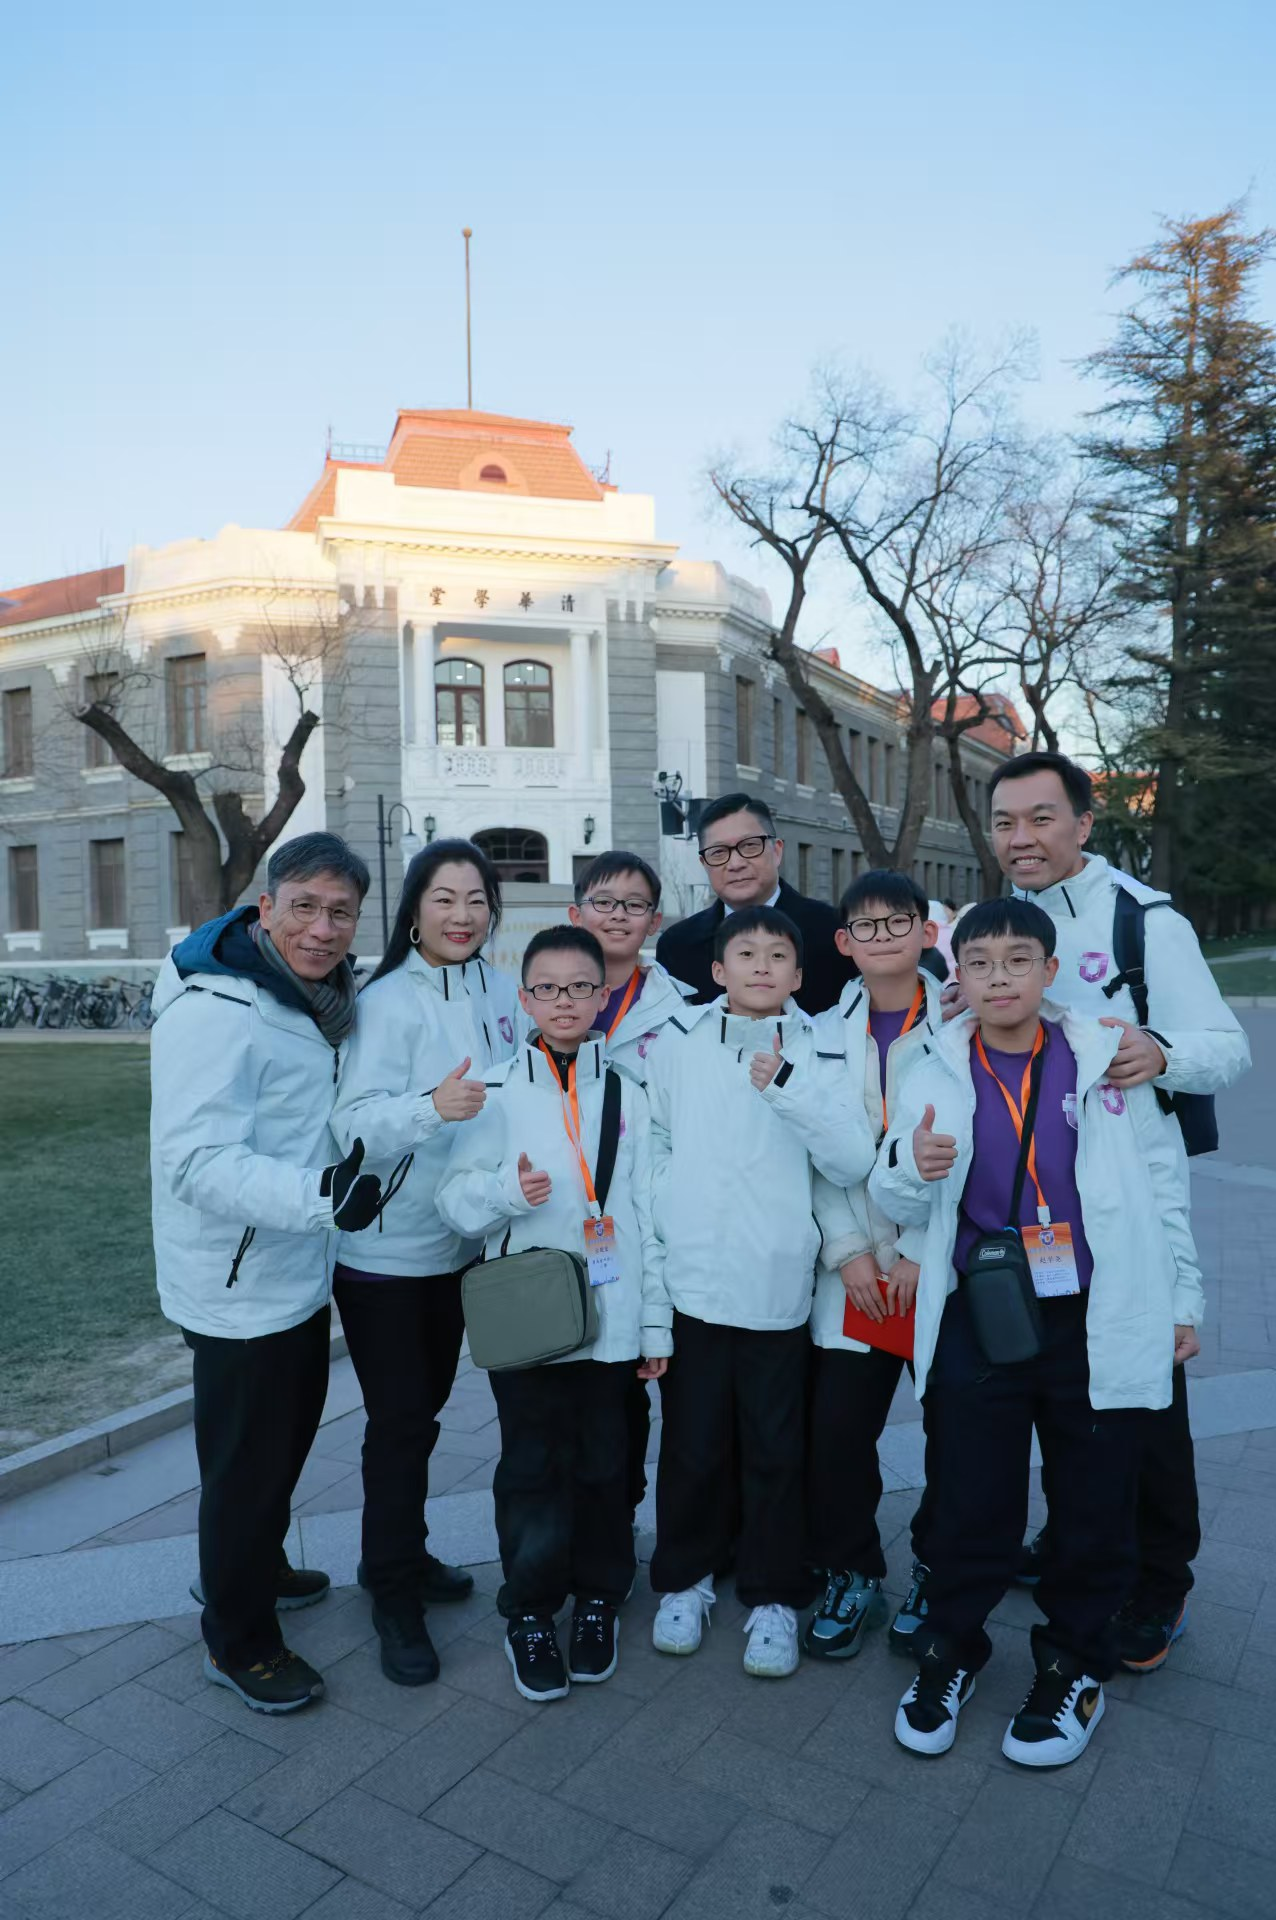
{"x": 744, "y": 1106}
{"x": 521, "y": 1175}
{"x": 1058, "y": 1280}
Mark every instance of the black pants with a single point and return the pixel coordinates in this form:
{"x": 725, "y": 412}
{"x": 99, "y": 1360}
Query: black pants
{"x": 561, "y": 1488}
{"x": 980, "y": 1420}
{"x": 851, "y": 1396}
{"x": 638, "y": 1422}
{"x": 404, "y": 1336}
{"x": 1169, "y": 1518}
{"x": 258, "y": 1404}
{"x": 726, "y": 1385}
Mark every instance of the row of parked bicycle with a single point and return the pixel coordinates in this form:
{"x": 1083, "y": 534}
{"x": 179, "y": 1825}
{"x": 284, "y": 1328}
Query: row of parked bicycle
{"x": 56, "y": 1002}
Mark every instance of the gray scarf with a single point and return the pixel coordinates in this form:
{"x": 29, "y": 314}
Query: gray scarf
{"x": 330, "y": 1001}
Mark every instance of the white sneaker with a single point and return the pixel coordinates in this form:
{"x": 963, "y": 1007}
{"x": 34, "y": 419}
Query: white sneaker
{"x": 772, "y": 1652}
{"x": 680, "y": 1618}
{"x": 1053, "y": 1726}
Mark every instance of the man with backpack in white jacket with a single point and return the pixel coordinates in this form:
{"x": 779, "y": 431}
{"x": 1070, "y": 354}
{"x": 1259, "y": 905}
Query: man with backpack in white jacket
{"x": 1179, "y": 1034}
{"x": 252, "y": 1015}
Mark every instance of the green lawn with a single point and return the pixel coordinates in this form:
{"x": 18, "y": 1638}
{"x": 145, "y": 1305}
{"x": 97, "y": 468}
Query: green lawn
{"x": 81, "y": 1333}
{"x": 1243, "y": 977}
{"x": 1238, "y": 943}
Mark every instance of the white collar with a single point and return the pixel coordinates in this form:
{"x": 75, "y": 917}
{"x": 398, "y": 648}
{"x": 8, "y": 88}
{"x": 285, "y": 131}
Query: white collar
{"x": 766, "y": 903}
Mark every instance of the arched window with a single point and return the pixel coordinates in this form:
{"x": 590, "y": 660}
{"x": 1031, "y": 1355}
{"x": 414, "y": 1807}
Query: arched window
{"x": 496, "y": 474}
{"x": 458, "y": 703}
{"x": 529, "y": 704}
{"x": 516, "y": 852}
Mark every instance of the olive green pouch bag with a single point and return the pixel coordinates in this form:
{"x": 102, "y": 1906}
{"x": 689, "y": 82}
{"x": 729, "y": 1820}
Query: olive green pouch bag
{"x": 523, "y": 1309}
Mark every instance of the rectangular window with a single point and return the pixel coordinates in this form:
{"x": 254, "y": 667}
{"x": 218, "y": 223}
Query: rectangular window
{"x": 873, "y": 758}
{"x": 744, "y": 723}
{"x": 99, "y": 689}
{"x": 802, "y": 762}
{"x": 181, "y": 881}
{"x": 529, "y": 704}
{"x": 24, "y": 890}
{"x": 187, "y": 704}
{"x": 805, "y": 868}
{"x": 19, "y": 748}
{"x": 857, "y": 862}
{"x": 777, "y": 737}
{"x": 855, "y": 752}
{"x": 888, "y": 773}
{"x": 106, "y": 880}
{"x": 839, "y": 873}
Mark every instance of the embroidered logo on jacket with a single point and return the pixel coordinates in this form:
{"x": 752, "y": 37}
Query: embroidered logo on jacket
{"x": 1093, "y": 967}
{"x": 1070, "y": 1110}
{"x": 644, "y": 1042}
{"x": 1112, "y": 1097}
{"x": 506, "y": 1026}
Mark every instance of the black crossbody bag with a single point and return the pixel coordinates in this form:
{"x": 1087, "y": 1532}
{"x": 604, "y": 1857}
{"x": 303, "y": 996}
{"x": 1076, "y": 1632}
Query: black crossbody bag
{"x": 1004, "y": 1308}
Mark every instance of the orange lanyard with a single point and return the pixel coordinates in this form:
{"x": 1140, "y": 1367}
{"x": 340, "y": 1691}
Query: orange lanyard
{"x": 914, "y": 1015}
{"x": 571, "y": 1120}
{"x": 1017, "y": 1112}
{"x": 635, "y": 981}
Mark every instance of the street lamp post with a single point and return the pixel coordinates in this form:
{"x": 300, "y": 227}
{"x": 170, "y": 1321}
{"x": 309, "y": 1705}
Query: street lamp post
{"x": 384, "y": 817}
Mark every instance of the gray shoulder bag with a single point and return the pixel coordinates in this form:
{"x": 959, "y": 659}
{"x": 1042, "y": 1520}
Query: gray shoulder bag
{"x": 523, "y": 1309}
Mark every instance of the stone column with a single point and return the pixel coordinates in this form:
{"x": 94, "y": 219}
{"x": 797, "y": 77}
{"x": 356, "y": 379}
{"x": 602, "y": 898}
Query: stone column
{"x": 582, "y": 705}
{"x": 423, "y": 648}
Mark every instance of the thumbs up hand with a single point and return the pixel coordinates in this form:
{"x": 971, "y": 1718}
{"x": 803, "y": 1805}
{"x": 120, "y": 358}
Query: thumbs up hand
{"x": 457, "y": 1098}
{"x": 933, "y": 1152}
{"x": 535, "y": 1185}
{"x": 764, "y": 1066}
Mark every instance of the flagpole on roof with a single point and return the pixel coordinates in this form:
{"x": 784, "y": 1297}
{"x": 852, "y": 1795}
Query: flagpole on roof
{"x": 469, "y": 362}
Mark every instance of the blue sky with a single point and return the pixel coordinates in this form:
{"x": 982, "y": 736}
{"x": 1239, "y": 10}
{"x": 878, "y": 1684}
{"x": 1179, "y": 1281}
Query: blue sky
{"x": 226, "y": 228}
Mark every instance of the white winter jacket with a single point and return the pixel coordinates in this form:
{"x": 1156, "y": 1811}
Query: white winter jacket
{"x": 241, "y": 1093}
{"x": 480, "y": 1195}
{"x": 662, "y": 997}
{"x": 1204, "y": 1044}
{"x": 415, "y": 1026}
{"x": 734, "y": 1167}
{"x": 849, "y": 1222}
{"x": 1146, "y": 1278}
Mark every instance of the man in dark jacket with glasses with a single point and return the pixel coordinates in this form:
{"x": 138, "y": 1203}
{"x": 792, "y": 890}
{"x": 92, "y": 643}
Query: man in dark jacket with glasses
{"x": 741, "y": 853}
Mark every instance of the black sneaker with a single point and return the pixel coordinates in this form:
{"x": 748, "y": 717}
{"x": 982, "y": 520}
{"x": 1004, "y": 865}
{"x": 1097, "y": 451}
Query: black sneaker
{"x": 592, "y": 1648}
{"x": 911, "y": 1616}
{"x": 531, "y": 1647}
{"x": 295, "y": 1587}
{"x": 852, "y": 1603}
{"x": 279, "y": 1684}
{"x": 1032, "y": 1558}
{"x": 1144, "y": 1639}
{"x": 1064, "y": 1706}
{"x": 439, "y": 1584}
{"x": 407, "y": 1651}
{"x": 926, "y": 1719}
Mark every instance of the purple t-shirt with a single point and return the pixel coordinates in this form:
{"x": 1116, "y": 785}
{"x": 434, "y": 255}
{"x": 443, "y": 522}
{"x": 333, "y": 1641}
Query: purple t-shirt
{"x": 614, "y": 1000}
{"x": 886, "y": 1029}
{"x": 985, "y": 1203}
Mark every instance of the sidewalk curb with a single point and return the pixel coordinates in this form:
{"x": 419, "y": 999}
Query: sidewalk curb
{"x": 1250, "y": 1000}
{"x": 51, "y": 1460}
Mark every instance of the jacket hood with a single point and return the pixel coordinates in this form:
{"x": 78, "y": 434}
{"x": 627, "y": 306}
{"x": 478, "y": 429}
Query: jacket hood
{"x": 463, "y": 980}
{"x": 1069, "y": 899}
{"x": 226, "y": 946}
{"x": 1093, "y": 1045}
{"x": 853, "y": 1000}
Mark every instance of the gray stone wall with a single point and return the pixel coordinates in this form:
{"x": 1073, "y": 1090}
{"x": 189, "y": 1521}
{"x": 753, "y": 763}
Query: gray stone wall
{"x": 363, "y": 744}
{"x": 631, "y": 684}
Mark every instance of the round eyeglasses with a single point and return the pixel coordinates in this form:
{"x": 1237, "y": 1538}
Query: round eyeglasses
{"x": 864, "y": 927}
{"x": 750, "y": 848}
{"x": 1017, "y": 965}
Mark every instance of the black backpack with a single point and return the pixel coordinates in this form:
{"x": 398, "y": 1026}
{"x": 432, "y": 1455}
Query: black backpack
{"x": 1193, "y": 1111}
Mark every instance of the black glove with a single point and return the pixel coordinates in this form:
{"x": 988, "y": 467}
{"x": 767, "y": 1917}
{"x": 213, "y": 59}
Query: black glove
{"x": 356, "y": 1197}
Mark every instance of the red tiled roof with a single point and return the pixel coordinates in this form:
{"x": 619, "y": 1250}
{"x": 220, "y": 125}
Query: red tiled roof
{"x": 1002, "y": 728}
{"x": 450, "y": 447}
{"x": 53, "y": 599}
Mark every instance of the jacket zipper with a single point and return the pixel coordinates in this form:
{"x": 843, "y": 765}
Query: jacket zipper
{"x": 249, "y": 1235}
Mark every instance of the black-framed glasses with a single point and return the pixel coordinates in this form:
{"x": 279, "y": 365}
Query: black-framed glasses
{"x": 545, "y": 990}
{"x": 1017, "y": 965}
{"x": 752, "y": 847}
{"x": 864, "y": 926}
{"x": 605, "y": 903}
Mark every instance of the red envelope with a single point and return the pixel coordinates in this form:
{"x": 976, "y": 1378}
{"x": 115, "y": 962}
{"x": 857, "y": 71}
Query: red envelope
{"x": 892, "y": 1334}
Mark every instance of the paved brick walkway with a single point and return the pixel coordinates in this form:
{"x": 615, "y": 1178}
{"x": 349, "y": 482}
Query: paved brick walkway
{"x": 130, "y": 1790}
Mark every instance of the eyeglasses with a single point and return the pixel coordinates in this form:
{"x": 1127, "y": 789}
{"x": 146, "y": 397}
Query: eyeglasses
{"x": 604, "y": 904}
{"x": 308, "y": 911}
{"x": 1015, "y": 964}
{"x": 750, "y": 848}
{"x": 545, "y": 991}
{"x": 865, "y": 928}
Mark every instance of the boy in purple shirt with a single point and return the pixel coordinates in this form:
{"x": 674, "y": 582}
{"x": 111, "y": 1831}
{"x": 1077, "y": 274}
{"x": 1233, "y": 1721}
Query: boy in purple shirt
{"x": 1106, "y": 1269}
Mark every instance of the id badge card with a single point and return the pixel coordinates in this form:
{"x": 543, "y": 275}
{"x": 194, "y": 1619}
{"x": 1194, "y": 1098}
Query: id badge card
{"x": 1052, "y": 1258}
{"x": 601, "y": 1256}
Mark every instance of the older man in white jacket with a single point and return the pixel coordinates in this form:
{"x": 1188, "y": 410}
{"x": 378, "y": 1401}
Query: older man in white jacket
{"x": 1187, "y": 1041}
{"x": 253, "y": 1011}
